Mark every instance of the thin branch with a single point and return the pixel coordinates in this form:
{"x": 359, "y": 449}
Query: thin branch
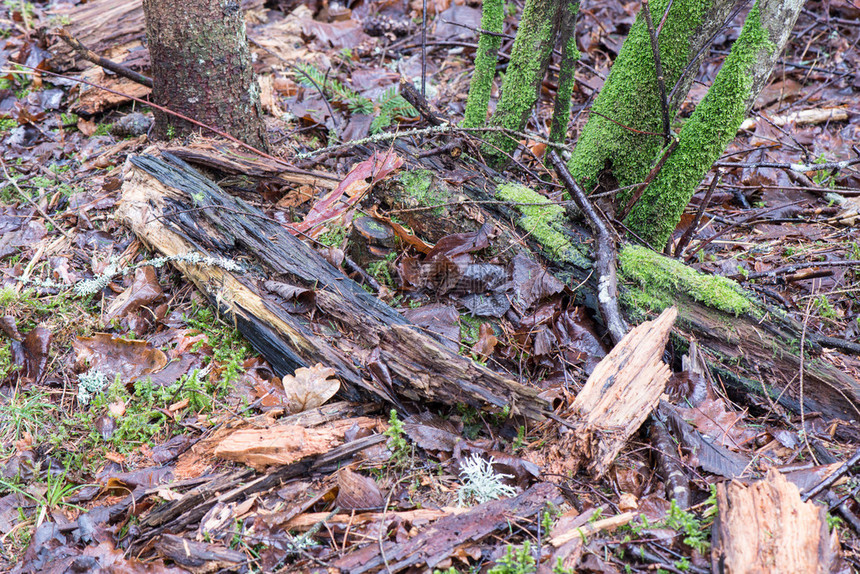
{"x": 651, "y": 175}
{"x": 658, "y": 68}
{"x": 29, "y": 199}
{"x": 607, "y": 286}
{"x": 288, "y": 167}
{"x": 688, "y": 234}
{"x": 795, "y": 167}
{"x": 91, "y": 56}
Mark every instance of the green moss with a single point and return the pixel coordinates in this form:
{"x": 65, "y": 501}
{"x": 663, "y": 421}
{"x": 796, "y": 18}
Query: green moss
{"x": 630, "y": 97}
{"x": 570, "y": 55}
{"x": 702, "y": 139}
{"x": 544, "y": 221}
{"x": 661, "y": 279}
{"x": 492, "y": 19}
{"x": 529, "y": 61}
{"x": 422, "y": 186}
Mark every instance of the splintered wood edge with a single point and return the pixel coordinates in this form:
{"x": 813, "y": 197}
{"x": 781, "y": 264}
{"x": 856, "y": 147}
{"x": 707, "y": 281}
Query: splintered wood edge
{"x": 620, "y": 393}
{"x": 139, "y": 207}
{"x": 766, "y": 527}
{"x": 631, "y": 378}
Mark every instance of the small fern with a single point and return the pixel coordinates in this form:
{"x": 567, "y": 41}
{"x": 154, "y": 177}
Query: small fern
{"x": 309, "y": 75}
{"x": 391, "y": 105}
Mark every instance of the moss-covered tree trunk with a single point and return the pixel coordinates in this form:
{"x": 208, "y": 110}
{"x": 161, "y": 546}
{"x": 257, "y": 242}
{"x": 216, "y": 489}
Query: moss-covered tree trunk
{"x": 629, "y": 103}
{"x": 492, "y": 20}
{"x": 716, "y": 119}
{"x": 536, "y": 38}
{"x": 201, "y": 68}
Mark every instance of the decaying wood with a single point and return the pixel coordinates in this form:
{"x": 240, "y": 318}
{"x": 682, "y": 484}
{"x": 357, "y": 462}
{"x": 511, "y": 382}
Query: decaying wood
{"x": 440, "y": 540}
{"x": 176, "y": 211}
{"x": 619, "y": 395}
{"x": 177, "y": 515}
{"x": 198, "y": 556}
{"x": 591, "y": 528}
{"x": 284, "y": 443}
{"x": 802, "y": 117}
{"x": 761, "y": 345}
{"x": 766, "y": 528}
{"x": 339, "y": 522}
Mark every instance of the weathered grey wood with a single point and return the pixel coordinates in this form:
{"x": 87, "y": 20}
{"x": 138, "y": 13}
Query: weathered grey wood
{"x": 175, "y": 210}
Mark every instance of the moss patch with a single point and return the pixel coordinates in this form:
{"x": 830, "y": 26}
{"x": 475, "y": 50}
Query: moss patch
{"x": 492, "y": 19}
{"x": 702, "y": 139}
{"x": 422, "y": 187}
{"x": 630, "y": 97}
{"x": 529, "y": 61}
{"x": 544, "y": 221}
{"x": 660, "y": 278}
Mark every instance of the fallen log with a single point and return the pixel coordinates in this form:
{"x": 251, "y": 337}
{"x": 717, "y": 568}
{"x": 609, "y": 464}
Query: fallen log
{"x": 176, "y": 211}
{"x": 760, "y": 343}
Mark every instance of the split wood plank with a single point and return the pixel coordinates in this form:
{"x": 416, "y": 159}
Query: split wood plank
{"x": 619, "y": 395}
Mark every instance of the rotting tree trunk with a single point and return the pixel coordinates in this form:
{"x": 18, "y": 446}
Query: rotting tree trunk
{"x": 716, "y": 119}
{"x": 629, "y": 103}
{"x": 201, "y": 68}
{"x": 382, "y": 344}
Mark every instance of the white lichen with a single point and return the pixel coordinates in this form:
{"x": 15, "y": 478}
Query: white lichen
{"x": 90, "y": 384}
{"x": 481, "y": 483}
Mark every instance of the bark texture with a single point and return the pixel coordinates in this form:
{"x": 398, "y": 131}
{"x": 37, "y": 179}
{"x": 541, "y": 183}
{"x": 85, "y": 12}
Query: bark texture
{"x": 630, "y": 97}
{"x": 201, "y": 68}
{"x": 716, "y": 120}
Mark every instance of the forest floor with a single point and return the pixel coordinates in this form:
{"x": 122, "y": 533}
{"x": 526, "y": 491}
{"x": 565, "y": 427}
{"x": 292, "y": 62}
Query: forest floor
{"x": 116, "y": 399}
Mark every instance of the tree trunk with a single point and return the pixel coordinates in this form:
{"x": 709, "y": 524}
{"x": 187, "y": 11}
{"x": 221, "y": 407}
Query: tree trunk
{"x": 536, "y": 38}
{"x": 201, "y": 68}
{"x": 716, "y": 120}
{"x": 629, "y": 102}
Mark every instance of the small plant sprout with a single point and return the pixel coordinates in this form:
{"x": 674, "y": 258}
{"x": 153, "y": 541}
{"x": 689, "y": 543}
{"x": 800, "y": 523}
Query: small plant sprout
{"x": 481, "y": 483}
{"x": 90, "y": 384}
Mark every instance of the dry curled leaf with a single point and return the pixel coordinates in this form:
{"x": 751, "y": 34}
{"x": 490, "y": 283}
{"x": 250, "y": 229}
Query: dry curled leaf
{"x": 309, "y": 388}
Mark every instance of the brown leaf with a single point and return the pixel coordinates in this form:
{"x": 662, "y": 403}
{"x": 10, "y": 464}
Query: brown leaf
{"x": 357, "y": 492}
{"x": 143, "y": 291}
{"x": 109, "y": 354}
{"x": 309, "y": 388}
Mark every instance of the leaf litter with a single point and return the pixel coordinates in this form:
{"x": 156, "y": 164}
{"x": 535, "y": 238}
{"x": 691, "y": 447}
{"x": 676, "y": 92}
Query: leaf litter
{"x": 191, "y": 455}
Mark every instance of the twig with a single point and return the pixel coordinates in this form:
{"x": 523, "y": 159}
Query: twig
{"x": 607, "y": 288}
{"x": 704, "y": 47}
{"x": 688, "y": 234}
{"x": 14, "y": 184}
{"x": 798, "y": 266}
{"x": 419, "y": 102}
{"x": 91, "y": 56}
{"x": 423, "y": 53}
{"x": 288, "y": 167}
{"x": 731, "y": 226}
{"x": 801, "y": 398}
{"x": 795, "y": 167}
{"x": 658, "y": 68}
{"x": 651, "y": 175}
